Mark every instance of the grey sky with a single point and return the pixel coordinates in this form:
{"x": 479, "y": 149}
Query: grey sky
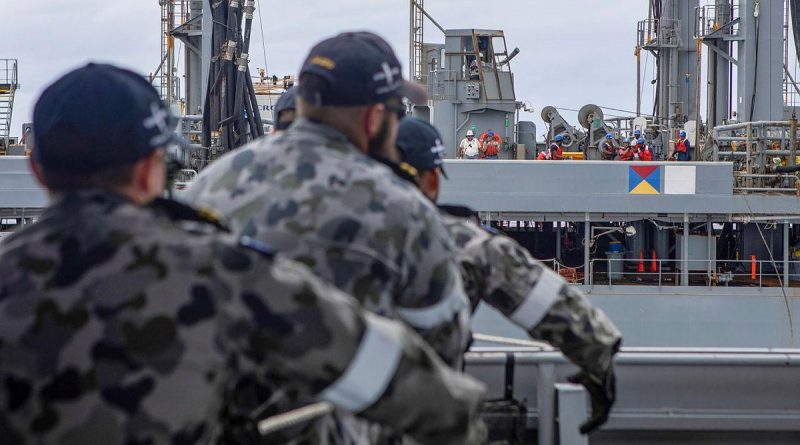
{"x": 573, "y": 52}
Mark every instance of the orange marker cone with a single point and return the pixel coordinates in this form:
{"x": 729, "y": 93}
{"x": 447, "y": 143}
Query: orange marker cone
{"x": 653, "y": 263}
{"x": 640, "y": 269}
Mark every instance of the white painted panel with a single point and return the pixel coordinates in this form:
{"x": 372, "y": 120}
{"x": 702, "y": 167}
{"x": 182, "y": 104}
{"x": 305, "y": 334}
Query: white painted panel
{"x": 680, "y": 180}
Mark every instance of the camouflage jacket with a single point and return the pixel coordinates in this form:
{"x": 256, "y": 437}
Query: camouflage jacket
{"x": 500, "y": 272}
{"x": 122, "y": 324}
{"x": 313, "y": 195}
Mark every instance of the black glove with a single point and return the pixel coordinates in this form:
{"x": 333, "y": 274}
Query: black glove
{"x": 603, "y": 394}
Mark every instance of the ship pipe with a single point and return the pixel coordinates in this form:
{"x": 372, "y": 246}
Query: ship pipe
{"x": 765, "y": 189}
{"x": 251, "y": 104}
{"x": 743, "y": 125}
{"x": 259, "y": 130}
{"x": 745, "y": 139}
{"x": 775, "y": 218}
{"x": 788, "y": 169}
{"x": 764, "y": 175}
{"x": 240, "y": 69}
{"x": 254, "y": 133}
{"x": 766, "y": 152}
{"x": 655, "y": 357}
{"x": 793, "y": 140}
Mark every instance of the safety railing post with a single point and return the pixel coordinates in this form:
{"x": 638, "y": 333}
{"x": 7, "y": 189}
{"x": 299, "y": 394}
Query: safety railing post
{"x": 660, "y": 267}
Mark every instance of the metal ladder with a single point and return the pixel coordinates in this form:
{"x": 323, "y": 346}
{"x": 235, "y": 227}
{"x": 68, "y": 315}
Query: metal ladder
{"x": 8, "y": 85}
{"x": 417, "y": 45}
{"x": 173, "y": 14}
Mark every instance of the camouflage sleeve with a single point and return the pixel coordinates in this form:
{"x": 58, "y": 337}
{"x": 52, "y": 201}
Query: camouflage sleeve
{"x": 503, "y": 274}
{"x": 303, "y": 330}
{"x": 433, "y": 300}
{"x": 582, "y": 332}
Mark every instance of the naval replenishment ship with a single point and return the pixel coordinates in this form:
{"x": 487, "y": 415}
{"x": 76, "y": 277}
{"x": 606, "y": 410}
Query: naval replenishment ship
{"x": 697, "y": 262}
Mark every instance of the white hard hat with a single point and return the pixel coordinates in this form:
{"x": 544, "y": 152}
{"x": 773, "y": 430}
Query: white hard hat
{"x": 470, "y": 133}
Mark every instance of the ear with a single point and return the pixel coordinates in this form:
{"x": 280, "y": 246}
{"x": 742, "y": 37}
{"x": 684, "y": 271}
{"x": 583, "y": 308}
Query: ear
{"x": 141, "y": 172}
{"x": 429, "y": 184}
{"x": 149, "y": 174}
{"x": 373, "y": 119}
{"x": 37, "y": 171}
{"x": 436, "y": 179}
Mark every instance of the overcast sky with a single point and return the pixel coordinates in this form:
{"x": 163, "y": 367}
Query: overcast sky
{"x": 573, "y": 52}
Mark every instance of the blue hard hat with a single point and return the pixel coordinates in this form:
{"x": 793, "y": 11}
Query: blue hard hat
{"x": 637, "y": 132}
{"x": 559, "y": 137}
{"x": 640, "y": 141}
{"x": 609, "y": 136}
{"x": 491, "y": 133}
{"x": 683, "y": 134}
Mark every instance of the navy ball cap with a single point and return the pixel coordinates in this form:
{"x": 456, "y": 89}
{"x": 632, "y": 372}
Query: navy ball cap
{"x": 284, "y": 103}
{"x": 360, "y": 69}
{"x": 99, "y": 117}
{"x": 420, "y": 144}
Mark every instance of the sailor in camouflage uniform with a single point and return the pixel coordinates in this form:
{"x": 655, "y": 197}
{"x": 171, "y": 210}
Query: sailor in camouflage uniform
{"x": 285, "y": 110}
{"x": 129, "y": 319}
{"x": 501, "y": 273}
{"x": 321, "y": 193}
{"x": 317, "y": 193}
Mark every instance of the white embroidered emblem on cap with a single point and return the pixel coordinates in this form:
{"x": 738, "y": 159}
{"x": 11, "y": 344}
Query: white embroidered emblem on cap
{"x": 159, "y": 118}
{"x": 437, "y": 150}
{"x": 390, "y": 75}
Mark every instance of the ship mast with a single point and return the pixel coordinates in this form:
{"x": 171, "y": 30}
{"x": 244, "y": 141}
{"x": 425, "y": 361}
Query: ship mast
{"x": 416, "y": 35}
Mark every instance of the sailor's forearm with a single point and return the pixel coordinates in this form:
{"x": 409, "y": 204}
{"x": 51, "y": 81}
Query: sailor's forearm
{"x": 443, "y": 322}
{"x": 582, "y": 332}
{"x": 427, "y": 400}
{"x": 377, "y": 368}
{"x": 503, "y": 274}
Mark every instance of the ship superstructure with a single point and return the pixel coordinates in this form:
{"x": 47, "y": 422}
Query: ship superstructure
{"x": 697, "y": 262}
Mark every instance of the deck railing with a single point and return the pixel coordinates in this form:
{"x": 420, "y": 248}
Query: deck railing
{"x": 667, "y": 272}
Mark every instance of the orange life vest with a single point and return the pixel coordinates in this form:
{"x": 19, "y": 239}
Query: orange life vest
{"x": 491, "y": 148}
{"x": 485, "y": 135}
{"x": 680, "y": 146}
